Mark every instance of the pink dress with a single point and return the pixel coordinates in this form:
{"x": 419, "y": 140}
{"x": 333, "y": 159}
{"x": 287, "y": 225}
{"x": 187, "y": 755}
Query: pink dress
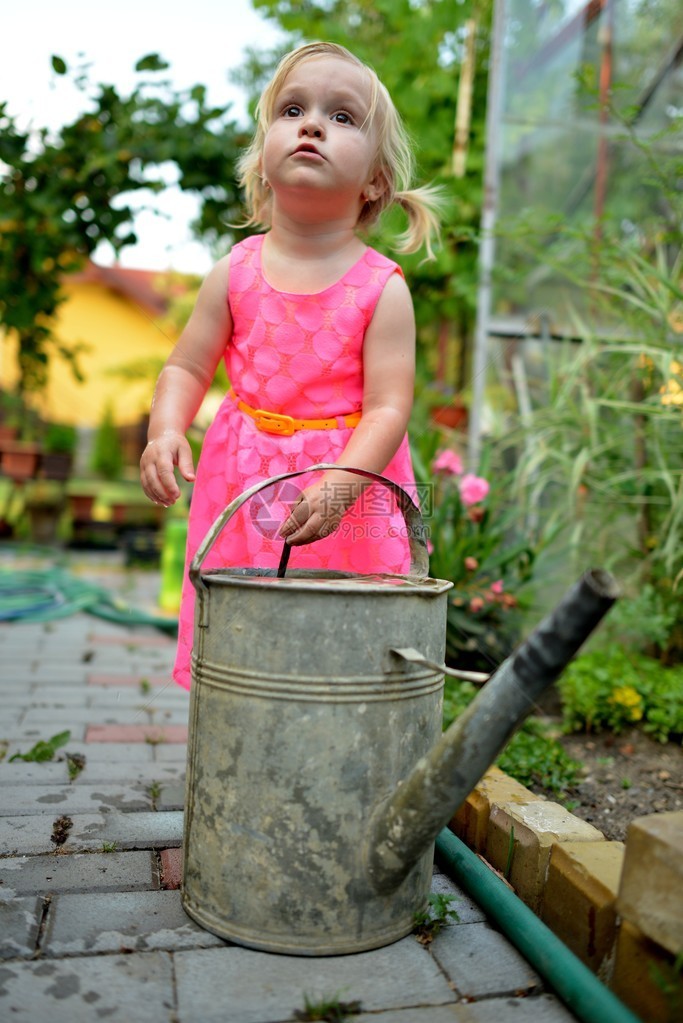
{"x": 299, "y": 355}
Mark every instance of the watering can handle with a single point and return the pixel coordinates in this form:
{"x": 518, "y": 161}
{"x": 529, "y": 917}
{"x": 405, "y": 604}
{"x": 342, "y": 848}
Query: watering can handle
{"x": 413, "y": 656}
{"x": 419, "y": 558}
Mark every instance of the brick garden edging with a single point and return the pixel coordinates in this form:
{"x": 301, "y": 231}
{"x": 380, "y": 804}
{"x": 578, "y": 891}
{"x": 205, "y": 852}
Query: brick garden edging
{"x": 618, "y": 907}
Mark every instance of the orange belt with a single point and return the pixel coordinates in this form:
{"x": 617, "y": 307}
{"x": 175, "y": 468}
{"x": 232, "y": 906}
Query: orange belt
{"x": 285, "y": 426}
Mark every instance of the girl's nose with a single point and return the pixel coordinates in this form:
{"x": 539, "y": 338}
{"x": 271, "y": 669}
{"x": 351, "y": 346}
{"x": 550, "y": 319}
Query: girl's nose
{"x": 311, "y": 127}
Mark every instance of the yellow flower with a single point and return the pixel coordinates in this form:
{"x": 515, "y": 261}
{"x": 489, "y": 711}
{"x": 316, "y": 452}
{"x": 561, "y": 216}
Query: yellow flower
{"x": 630, "y": 700}
{"x": 672, "y": 391}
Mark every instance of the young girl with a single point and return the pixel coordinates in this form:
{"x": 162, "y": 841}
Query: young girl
{"x": 317, "y": 333}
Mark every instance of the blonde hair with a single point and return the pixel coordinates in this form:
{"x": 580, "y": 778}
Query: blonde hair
{"x": 394, "y": 159}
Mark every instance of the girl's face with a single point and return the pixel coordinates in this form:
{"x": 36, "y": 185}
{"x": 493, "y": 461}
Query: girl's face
{"x": 318, "y": 147}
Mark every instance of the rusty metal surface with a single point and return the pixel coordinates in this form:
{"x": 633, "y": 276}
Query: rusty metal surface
{"x": 301, "y": 721}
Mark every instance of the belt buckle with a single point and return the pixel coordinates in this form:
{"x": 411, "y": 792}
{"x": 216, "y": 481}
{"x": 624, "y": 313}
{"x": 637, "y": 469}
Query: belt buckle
{"x": 274, "y": 422}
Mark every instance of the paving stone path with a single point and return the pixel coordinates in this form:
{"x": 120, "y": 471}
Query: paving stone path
{"x": 91, "y": 923}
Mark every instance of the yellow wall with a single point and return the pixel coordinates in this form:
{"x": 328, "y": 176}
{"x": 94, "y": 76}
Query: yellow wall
{"x": 114, "y": 331}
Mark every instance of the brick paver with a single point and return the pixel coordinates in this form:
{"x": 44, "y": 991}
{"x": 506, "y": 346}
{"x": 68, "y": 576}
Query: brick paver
{"x": 90, "y": 989}
{"x": 264, "y": 987}
{"x": 92, "y": 923}
{"x": 137, "y": 733}
{"x": 126, "y": 680}
{"x": 171, "y": 868}
{"x": 91, "y": 920}
{"x": 120, "y": 639}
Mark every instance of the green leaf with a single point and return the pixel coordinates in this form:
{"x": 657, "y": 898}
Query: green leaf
{"x": 152, "y": 62}
{"x": 44, "y": 750}
{"x": 58, "y": 65}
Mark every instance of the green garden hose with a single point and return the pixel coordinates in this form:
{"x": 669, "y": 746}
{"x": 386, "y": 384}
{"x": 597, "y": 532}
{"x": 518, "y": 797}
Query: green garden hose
{"x": 43, "y": 595}
{"x": 574, "y": 983}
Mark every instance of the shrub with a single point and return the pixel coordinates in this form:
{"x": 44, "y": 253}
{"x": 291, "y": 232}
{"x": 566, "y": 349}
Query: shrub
{"x": 474, "y": 544}
{"x": 107, "y": 458}
{"x": 615, "y": 689}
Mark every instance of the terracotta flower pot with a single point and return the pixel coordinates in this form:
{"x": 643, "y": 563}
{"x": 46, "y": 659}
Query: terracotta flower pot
{"x": 81, "y": 506}
{"x": 19, "y": 460}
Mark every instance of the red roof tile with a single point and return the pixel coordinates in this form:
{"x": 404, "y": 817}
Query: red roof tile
{"x": 144, "y": 287}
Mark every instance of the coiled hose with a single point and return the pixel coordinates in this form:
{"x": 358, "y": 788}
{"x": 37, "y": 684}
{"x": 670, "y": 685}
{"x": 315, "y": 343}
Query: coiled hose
{"x": 43, "y": 595}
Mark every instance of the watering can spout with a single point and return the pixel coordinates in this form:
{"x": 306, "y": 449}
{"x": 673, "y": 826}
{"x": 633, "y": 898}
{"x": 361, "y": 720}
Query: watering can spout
{"x": 404, "y": 827}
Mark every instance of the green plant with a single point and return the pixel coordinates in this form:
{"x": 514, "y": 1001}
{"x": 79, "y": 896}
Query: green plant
{"x": 616, "y": 688}
{"x": 145, "y": 686}
{"x": 473, "y": 544}
{"x": 15, "y": 412}
{"x": 437, "y": 915}
{"x": 643, "y": 619}
{"x": 328, "y": 1008}
{"x": 60, "y": 438}
{"x": 599, "y": 446}
{"x": 107, "y": 457}
{"x": 44, "y": 749}
{"x": 457, "y": 695}
{"x": 109, "y": 847}
{"x": 668, "y": 976}
{"x": 510, "y": 855}
{"x": 75, "y": 762}
{"x": 533, "y": 756}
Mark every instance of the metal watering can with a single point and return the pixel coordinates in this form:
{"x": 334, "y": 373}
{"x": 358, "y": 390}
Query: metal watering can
{"x": 318, "y": 776}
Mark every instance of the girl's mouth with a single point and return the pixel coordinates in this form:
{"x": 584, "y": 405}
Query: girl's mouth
{"x": 307, "y": 147}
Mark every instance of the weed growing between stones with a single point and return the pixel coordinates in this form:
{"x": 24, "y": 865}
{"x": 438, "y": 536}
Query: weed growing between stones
{"x": 438, "y": 914}
{"x": 75, "y": 762}
{"x": 44, "y": 749}
{"x": 329, "y": 1009}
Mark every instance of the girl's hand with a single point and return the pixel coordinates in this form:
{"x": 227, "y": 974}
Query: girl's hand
{"x": 158, "y": 460}
{"x": 319, "y": 509}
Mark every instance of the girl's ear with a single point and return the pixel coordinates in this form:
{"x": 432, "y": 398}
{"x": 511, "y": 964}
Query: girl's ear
{"x": 376, "y": 186}
{"x": 259, "y": 168}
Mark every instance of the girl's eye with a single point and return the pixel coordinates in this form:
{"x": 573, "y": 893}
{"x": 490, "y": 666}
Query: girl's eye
{"x": 342, "y": 117}
{"x": 292, "y": 110}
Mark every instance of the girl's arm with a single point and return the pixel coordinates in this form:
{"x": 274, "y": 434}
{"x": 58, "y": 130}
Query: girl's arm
{"x": 181, "y": 387}
{"x": 388, "y": 384}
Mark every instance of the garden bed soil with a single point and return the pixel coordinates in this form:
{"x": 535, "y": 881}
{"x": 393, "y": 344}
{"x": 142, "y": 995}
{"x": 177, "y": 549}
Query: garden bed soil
{"x": 623, "y": 777}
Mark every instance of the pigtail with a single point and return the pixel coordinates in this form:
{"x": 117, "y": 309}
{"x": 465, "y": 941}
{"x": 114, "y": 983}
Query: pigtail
{"x": 424, "y": 208}
{"x": 256, "y": 191}
{"x": 395, "y": 164}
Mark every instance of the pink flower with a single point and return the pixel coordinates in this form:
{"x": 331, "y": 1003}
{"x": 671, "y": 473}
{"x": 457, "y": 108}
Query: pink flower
{"x": 448, "y": 463}
{"x": 476, "y": 604}
{"x": 473, "y": 489}
{"x": 497, "y": 587}
{"x": 471, "y": 564}
{"x": 430, "y": 547}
